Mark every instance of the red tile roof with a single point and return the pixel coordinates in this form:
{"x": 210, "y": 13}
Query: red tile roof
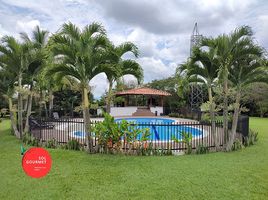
{"x": 144, "y": 91}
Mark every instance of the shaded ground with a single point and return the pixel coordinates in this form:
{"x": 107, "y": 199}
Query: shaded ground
{"x": 77, "y": 175}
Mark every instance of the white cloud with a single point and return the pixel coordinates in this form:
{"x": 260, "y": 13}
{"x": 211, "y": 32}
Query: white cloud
{"x": 155, "y": 69}
{"x": 2, "y": 31}
{"x": 262, "y": 30}
{"x": 99, "y": 85}
{"x": 160, "y": 29}
{"x": 26, "y": 26}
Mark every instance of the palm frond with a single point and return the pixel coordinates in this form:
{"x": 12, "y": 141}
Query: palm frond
{"x": 94, "y": 28}
{"x": 127, "y": 47}
{"x": 71, "y": 30}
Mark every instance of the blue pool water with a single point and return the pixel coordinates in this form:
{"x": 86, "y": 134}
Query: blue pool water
{"x": 162, "y": 129}
{"x": 79, "y": 134}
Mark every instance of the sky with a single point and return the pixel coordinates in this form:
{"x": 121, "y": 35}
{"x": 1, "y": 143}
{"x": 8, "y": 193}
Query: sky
{"x": 160, "y": 28}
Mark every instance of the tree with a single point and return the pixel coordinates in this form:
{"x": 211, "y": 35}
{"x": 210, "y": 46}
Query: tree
{"x": 255, "y": 96}
{"x": 15, "y": 58}
{"x": 38, "y": 42}
{"x": 203, "y": 68}
{"x": 121, "y": 67}
{"x": 80, "y": 55}
{"x": 170, "y": 85}
{"x": 230, "y": 49}
{"x": 182, "y": 85}
{"x": 248, "y": 70}
{"x": 7, "y": 89}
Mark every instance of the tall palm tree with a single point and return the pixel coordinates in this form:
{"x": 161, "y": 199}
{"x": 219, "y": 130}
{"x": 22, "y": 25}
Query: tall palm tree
{"x": 248, "y": 70}
{"x": 79, "y": 54}
{"x": 38, "y": 40}
{"x": 203, "y": 68}
{"x": 15, "y": 57}
{"x": 229, "y": 50}
{"x": 7, "y": 90}
{"x": 121, "y": 67}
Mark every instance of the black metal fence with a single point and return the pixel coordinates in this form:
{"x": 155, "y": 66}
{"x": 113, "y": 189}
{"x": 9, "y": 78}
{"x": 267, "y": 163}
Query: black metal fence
{"x": 166, "y": 136}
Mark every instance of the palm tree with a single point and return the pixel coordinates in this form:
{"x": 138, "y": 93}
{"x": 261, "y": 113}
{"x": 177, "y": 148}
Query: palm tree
{"x": 229, "y": 50}
{"x": 15, "y": 57}
{"x": 38, "y": 41}
{"x": 121, "y": 67}
{"x": 248, "y": 70}
{"x": 203, "y": 68}
{"x": 7, "y": 90}
{"x": 79, "y": 54}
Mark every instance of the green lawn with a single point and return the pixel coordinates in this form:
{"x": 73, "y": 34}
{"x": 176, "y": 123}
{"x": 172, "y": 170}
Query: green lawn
{"x": 77, "y": 175}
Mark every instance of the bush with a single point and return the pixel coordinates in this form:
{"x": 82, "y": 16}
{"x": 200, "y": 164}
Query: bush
{"x": 201, "y": 149}
{"x": 53, "y": 144}
{"x": 109, "y": 133}
{"x": 30, "y": 140}
{"x": 162, "y": 152}
{"x": 73, "y": 145}
{"x": 176, "y": 115}
{"x": 187, "y": 139}
{"x": 251, "y": 139}
{"x": 36, "y": 142}
{"x": 237, "y": 145}
{"x": 205, "y": 117}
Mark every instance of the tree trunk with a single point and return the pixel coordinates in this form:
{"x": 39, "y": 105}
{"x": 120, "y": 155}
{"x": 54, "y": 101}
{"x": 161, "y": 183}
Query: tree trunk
{"x": 12, "y": 118}
{"x": 212, "y": 116}
{"x": 234, "y": 122}
{"x": 20, "y": 120}
{"x": 87, "y": 122}
{"x": 43, "y": 103}
{"x": 225, "y": 110}
{"x": 50, "y": 108}
{"x": 25, "y": 107}
{"x": 109, "y": 97}
{"x": 72, "y": 109}
{"x": 29, "y": 111}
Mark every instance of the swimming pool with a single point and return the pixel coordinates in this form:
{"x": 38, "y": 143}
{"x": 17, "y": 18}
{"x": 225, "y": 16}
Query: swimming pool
{"x": 78, "y": 134}
{"x": 162, "y": 129}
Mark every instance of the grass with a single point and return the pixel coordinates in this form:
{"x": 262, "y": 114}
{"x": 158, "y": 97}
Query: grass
{"x": 77, "y": 175}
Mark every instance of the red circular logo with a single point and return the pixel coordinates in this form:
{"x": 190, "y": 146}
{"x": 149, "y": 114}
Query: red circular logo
{"x": 36, "y": 162}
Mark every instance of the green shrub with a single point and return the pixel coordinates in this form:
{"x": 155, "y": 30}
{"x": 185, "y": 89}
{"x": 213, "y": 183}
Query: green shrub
{"x": 176, "y": 115}
{"x": 181, "y": 116}
{"x": 36, "y": 142}
{"x": 53, "y": 144}
{"x": 30, "y": 140}
{"x": 110, "y": 135}
{"x": 205, "y": 117}
{"x": 201, "y": 149}
{"x": 251, "y": 139}
{"x": 145, "y": 149}
{"x": 187, "y": 139}
{"x": 63, "y": 146}
{"x": 26, "y": 139}
{"x": 73, "y": 145}
{"x": 237, "y": 145}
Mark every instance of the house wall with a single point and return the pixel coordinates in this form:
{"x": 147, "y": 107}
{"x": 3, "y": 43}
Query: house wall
{"x": 159, "y": 110}
{"x": 123, "y": 111}
{"x": 128, "y": 111}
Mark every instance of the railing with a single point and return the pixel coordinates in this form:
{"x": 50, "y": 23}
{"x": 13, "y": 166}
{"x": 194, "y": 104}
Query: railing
{"x": 162, "y": 136}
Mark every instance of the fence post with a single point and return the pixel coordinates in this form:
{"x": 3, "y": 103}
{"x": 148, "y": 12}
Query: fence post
{"x": 202, "y": 134}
